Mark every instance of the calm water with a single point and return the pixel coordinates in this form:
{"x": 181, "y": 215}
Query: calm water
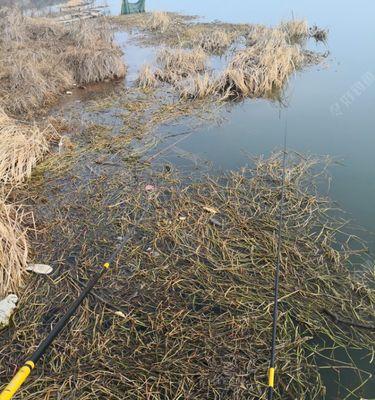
{"x": 330, "y": 109}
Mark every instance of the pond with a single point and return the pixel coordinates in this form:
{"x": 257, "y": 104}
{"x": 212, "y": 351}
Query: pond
{"x": 329, "y": 108}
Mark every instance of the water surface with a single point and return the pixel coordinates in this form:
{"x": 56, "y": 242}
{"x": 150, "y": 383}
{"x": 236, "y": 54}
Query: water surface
{"x": 330, "y": 109}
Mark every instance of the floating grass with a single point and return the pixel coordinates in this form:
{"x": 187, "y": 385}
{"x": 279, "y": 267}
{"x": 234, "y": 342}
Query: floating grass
{"x": 187, "y": 310}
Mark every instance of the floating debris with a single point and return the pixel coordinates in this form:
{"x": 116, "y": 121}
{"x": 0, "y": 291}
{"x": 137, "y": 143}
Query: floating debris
{"x": 41, "y": 269}
{"x": 7, "y": 307}
{"x": 319, "y": 34}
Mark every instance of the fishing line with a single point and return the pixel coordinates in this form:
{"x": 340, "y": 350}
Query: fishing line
{"x": 271, "y": 370}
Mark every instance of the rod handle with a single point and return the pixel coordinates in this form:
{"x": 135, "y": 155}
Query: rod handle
{"x": 17, "y": 381}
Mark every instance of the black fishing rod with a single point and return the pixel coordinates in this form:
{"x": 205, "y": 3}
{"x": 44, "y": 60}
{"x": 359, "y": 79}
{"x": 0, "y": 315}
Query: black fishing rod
{"x": 271, "y": 370}
{"x": 22, "y": 374}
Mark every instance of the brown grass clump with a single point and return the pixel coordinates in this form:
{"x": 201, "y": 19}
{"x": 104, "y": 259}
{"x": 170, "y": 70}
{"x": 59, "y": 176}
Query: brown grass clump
{"x": 196, "y": 86}
{"x": 216, "y": 41}
{"x": 40, "y": 59}
{"x": 95, "y": 65}
{"x": 13, "y": 248}
{"x": 158, "y": 21}
{"x": 295, "y": 29}
{"x": 182, "y": 62}
{"x": 233, "y": 83}
{"x": 21, "y": 147}
{"x": 146, "y": 79}
{"x": 261, "y": 69}
{"x": 32, "y": 80}
{"x": 90, "y": 34}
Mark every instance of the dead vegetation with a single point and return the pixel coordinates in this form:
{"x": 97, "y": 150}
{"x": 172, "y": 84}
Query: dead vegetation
{"x": 319, "y": 34}
{"x": 158, "y": 21}
{"x": 40, "y": 59}
{"x": 174, "y": 66}
{"x": 213, "y": 41}
{"x": 260, "y": 67}
{"x": 182, "y": 62}
{"x": 21, "y": 147}
{"x": 296, "y": 30}
{"x": 13, "y": 248}
{"x": 198, "y": 86}
{"x": 146, "y": 78}
{"x": 95, "y": 65}
{"x": 187, "y": 311}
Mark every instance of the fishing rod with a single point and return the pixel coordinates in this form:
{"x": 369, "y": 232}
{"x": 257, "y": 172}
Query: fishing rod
{"x": 271, "y": 370}
{"x": 22, "y": 374}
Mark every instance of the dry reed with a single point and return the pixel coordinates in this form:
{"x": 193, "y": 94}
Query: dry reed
{"x": 21, "y": 147}
{"x": 296, "y": 30}
{"x": 261, "y": 69}
{"x": 158, "y": 21}
{"x": 196, "y": 86}
{"x": 182, "y": 62}
{"x": 95, "y": 65}
{"x": 146, "y": 79}
{"x": 13, "y": 248}
{"x": 216, "y": 41}
{"x": 33, "y": 80}
{"x": 40, "y": 59}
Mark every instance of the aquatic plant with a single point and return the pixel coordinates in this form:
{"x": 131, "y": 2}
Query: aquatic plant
{"x": 182, "y": 62}
{"x": 213, "y": 41}
{"x": 262, "y": 68}
{"x": 158, "y": 21}
{"x": 295, "y": 30}
{"x": 186, "y": 311}
{"x": 197, "y": 86}
{"x": 232, "y": 83}
{"x": 146, "y": 78}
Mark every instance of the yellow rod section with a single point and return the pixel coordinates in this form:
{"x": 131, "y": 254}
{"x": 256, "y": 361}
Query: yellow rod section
{"x": 17, "y": 381}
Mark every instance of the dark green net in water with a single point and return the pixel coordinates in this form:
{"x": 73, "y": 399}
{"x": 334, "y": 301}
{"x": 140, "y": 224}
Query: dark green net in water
{"x": 131, "y": 8}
